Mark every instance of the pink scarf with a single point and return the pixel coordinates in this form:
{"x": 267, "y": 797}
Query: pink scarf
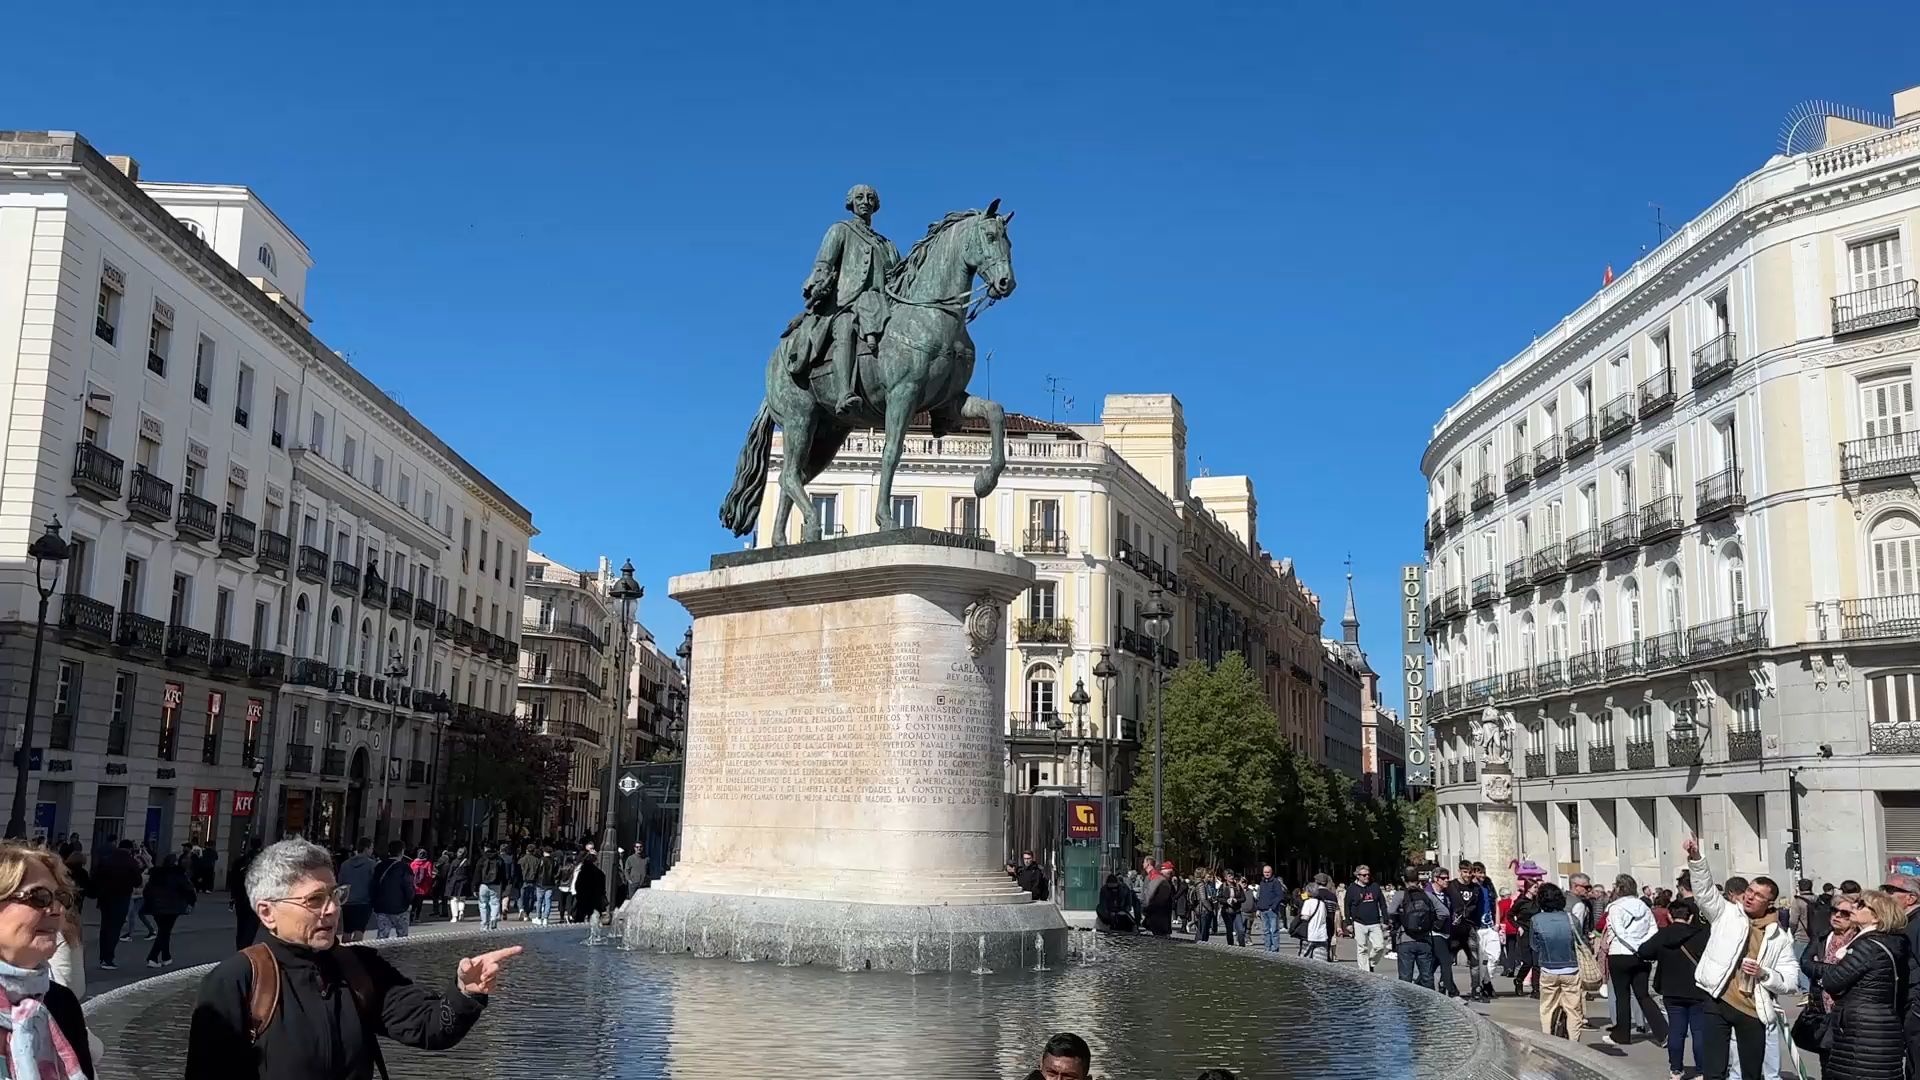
{"x": 1836, "y": 948}
{"x": 34, "y": 1046}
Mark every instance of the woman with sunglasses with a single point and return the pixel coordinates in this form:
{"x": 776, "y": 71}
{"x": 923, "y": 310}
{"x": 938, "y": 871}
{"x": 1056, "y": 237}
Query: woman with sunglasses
{"x": 41, "y": 1027}
{"x": 1863, "y": 987}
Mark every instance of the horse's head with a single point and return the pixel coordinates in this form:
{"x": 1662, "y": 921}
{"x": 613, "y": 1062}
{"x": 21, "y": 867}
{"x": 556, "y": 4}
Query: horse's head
{"x": 990, "y": 251}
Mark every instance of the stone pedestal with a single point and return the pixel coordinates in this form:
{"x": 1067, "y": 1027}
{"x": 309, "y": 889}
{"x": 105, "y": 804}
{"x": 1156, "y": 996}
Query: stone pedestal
{"x": 1499, "y": 824}
{"x": 844, "y": 799}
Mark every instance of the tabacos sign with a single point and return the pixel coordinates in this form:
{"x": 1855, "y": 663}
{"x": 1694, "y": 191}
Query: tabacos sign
{"x": 1413, "y": 671}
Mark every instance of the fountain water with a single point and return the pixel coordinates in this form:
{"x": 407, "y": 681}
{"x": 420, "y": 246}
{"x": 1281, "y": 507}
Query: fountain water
{"x": 1040, "y": 953}
{"x": 982, "y": 968}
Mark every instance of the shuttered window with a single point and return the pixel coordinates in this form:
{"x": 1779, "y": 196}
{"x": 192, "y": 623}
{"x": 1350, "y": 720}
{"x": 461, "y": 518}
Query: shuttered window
{"x": 1896, "y": 556}
{"x": 1886, "y": 407}
{"x": 1902, "y": 811}
{"x": 1890, "y": 698}
{"x": 1874, "y": 262}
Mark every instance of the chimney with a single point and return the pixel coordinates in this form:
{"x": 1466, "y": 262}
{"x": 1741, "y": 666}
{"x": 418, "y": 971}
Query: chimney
{"x": 1906, "y": 106}
{"x": 126, "y": 165}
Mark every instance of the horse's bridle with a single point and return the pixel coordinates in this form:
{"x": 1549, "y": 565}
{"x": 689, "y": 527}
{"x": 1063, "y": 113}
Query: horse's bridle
{"x": 976, "y": 299}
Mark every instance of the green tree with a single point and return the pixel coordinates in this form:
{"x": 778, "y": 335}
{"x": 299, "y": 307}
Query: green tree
{"x": 510, "y": 766}
{"x": 1219, "y": 780}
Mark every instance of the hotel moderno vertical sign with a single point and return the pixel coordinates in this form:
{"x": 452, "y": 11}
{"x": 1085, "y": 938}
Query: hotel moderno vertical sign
{"x": 1413, "y": 669}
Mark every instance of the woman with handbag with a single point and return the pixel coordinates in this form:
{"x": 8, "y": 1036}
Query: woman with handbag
{"x": 1676, "y": 948}
{"x": 1557, "y": 948}
{"x": 1867, "y": 990}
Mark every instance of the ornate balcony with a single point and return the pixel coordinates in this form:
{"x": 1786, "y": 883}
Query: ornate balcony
{"x": 1683, "y": 748}
{"x": 1734, "y": 634}
{"x": 96, "y": 473}
{"x": 198, "y": 518}
{"x": 1743, "y": 746}
{"x": 1656, "y": 393}
{"x": 1584, "y": 669}
{"x": 1662, "y": 651}
{"x": 1549, "y": 676}
{"x": 312, "y": 567}
{"x": 443, "y": 626}
{"x": 1660, "y": 518}
{"x": 373, "y": 589}
{"x": 311, "y": 673}
{"x": 1480, "y": 692}
{"x": 1620, "y": 535}
{"x": 1043, "y": 631}
{"x": 1436, "y": 528}
{"x": 1536, "y": 764}
{"x": 267, "y": 667}
{"x": 1600, "y": 757}
{"x": 1879, "y": 617}
{"x": 1616, "y": 416}
{"x": 300, "y": 759}
{"x": 1519, "y": 577}
{"x": 1580, "y": 437}
{"x": 1455, "y": 512}
{"x": 187, "y": 646}
{"x": 1880, "y": 457}
{"x": 1871, "y": 309}
{"x": 276, "y": 550}
{"x": 1620, "y": 661}
{"x": 141, "y": 635}
{"x": 238, "y": 536}
{"x": 1715, "y": 359}
{"x": 1519, "y": 683}
{"x": 1044, "y": 542}
{"x": 1549, "y": 564}
{"x": 1639, "y": 754}
{"x": 346, "y": 578}
{"x": 85, "y": 620}
{"x": 400, "y": 602}
{"x": 1718, "y": 495}
{"x": 463, "y": 633}
{"x": 1483, "y": 492}
{"x": 1453, "y": 603}
{"x": 1519, "y": 470}
{"x": 1486, "y": 591}
{"x": 416, "y": 771}
{"x": 423, "y": 612}
{"x": 333, "y": 761}
{"x": 150, "y": 499}
{"x": 1566, "y": 762}
{"x": 1583, "y": 549}
{"x": 1893, "y": 738}
{"x": 1546, "y": 455}
{"x": 229, "y": 657}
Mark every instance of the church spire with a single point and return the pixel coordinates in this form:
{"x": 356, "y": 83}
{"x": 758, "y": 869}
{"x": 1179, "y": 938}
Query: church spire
{"x": 1350, "y": 624}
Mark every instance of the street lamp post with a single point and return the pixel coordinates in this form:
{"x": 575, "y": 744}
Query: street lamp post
{"x": 678, "y": 728}
{"x": 396, "y": 673}
{"x": 626, "y": 591}
{"x": 46, "y": 548}
{"x": 1159, "y": 620}
{"x": 1079, "y": 700}
{"x": 1104, "y": 673}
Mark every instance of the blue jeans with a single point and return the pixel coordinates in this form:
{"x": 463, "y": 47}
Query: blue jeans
{"x": 544, "y": 901}
{"x": 1237, "y": 929}
{"x": 1416, "y": 962}
{"x": 526, "y": 901}
{"x": 489, "y": 905}
{"x": 1684, "y": 1019}
{"x": 1270, "y": 923}
{"x": 1203, "y": 924}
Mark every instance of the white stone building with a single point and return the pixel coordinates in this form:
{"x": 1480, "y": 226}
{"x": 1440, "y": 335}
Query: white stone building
{"x": 283, "y": 587}
{"x": 569, "y": 634}
{"x": 1676, "y": 540}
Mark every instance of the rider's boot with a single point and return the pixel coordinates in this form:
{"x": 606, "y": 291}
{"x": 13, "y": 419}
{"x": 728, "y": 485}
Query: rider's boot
{"x": 849, "y": 401}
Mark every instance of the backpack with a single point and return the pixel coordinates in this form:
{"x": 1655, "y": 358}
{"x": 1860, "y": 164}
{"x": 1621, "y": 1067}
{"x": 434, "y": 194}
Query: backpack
{"x": 1417, "y": 914}
{"x": 264, "y": 1003}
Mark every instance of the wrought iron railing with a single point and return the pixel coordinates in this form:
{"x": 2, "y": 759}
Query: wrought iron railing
{"x": 97, "y": 472}
{"x": 1043, "y": 631}
{"x": 346, "y": 578}
{"x": 1536, "y": 764}
{"x": 1580, "y": 436}
{"x": 1583, "y": 549}
{"x": 1893, "y": 738}
{"x": 238, "y": 535}
{"x": 86, "y": 618}
{"x": 1485, "y": 590}
{"x": 1715, "y": 359}
{"x": 1621, "y": 660}
{"x": 140, "y": 634}
{"x": 312, "y": 566}
{"x": 1566, "y": 762}
{"x": 1725, "y": 636}
{"x": 1549, "y": 675}
{"x": 1455, "y": 511}
{"x": 1519, "y": 470}
{"x": 1663, "y": 650}
{"x": 1620, "y": 534}
{"x": 1743, "y": 746}
{"x": 1519, "y": 576}
{"x": 1639, "y": 754}
{"x": 1546, "y": 455}
{"x": 1660, "y": 518}
{"x": 1896, "y": 454}
{"x": 1482, "y": 492}
{"x": 1600, "y": 757}
{"x": 1683, "y": 748}
{"x": 276, "y": 549}
{"x": 1583, "y": 669}
{"x": 1616, "y": 415}
{"x": 300, "y": 758}
{"x": 187, "y": 645}
{"x": 1519, "y": 682}
{"x": 1045, "y": 542}
{"x": 1879, "y": 617}
{"x": 149, "y": 498}
{"x": 1656, "y": 392}
{"x": 1870, "y": 309}
{"x": 197, "y": 518}
{"x": 1718, "y": 494}
{"x": 1549, "y": 563}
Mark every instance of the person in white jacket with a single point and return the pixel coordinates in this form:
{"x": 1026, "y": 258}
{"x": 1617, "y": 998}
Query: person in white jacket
{"x": 1747, "y": 961}
{"x": 1629, "y": 925}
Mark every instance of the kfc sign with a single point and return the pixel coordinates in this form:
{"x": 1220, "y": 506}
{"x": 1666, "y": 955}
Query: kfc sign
{"x": 243, "y": 804}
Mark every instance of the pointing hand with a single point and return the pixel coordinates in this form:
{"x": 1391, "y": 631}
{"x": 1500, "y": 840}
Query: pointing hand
{"x": 478, "y": 973}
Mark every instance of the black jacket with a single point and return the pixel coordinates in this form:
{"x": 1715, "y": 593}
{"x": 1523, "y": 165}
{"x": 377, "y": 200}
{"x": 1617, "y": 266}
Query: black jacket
{"x": 317, "y": 1033}
{"x": 548, "y": 874}
{"x": 392, "y": 886}
{"x": 168, "y": 891}
{"x": 1677, "y": 947}
{"x": 589, "y": 890}
{"x": 460, "y": 878}
{"x": 1869, "y": 1004}
{"x": 1033, "y": 879}
{"x": 493, "y": 871}
{"x": 116, "y": 875}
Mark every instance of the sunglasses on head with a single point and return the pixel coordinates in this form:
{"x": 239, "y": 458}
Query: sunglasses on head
{"x": 40, "y": 898}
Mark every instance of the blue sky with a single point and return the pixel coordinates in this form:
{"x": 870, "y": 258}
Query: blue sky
{"x": 1317, "y": 225}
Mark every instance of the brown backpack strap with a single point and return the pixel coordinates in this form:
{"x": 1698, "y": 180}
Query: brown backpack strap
{"x": 264, "y": 1000}
{"x": 360, "y": 984}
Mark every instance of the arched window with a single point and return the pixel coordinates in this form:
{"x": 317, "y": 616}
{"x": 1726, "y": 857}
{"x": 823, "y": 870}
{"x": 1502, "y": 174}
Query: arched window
{"x": 1557, "y": 632}
{"x": 1673, "y": 601}
{"x": 1746, "y": 711}
{"x": 300, "y": 620}
{"x": 336, "y": 638}
{"x": 1590, "y": 632}
{"x": 419, "y": 651}
{"x": 1733, "y": 580}
{"x": 1041, "y": 685}
{"x": 1895, "y": 542}
{"x": 367, "y": 660}
{"x": 1630, "y": 621}
{"x": 265, "y": 255}
{"x": 1529, "y": 647}
{"x": 1490, "y": 651}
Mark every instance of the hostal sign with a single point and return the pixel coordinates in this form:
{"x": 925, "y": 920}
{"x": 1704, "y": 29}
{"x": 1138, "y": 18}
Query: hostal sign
{"x": 1413, "y": 667}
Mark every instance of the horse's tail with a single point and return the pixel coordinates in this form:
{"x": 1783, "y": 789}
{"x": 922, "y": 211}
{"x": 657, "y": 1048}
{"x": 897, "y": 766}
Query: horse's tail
{"x": 740, "y": 512}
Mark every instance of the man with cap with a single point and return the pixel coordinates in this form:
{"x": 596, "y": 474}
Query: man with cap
{"x": 1159, "y": 902}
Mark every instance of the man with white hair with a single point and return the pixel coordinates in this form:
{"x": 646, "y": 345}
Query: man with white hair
{"x": 300, "y": 1005}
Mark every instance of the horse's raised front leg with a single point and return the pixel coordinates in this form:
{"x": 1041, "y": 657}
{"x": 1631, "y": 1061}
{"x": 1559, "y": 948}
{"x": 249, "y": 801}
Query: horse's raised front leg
{"x": 796, "y": 444}
{"x": 900, "y": 403}
{"x": 979, "y": 408}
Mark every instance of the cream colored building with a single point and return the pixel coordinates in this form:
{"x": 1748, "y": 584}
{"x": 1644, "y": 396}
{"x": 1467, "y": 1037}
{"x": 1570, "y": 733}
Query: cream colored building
{"x": 1677, "y": 540}
{"x": 656, "y": 701}
{"x": 569, "y": 633}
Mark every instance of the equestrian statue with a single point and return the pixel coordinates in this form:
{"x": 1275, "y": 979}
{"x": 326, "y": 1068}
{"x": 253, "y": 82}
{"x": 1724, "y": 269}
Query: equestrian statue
{"x": 880, "y": 339}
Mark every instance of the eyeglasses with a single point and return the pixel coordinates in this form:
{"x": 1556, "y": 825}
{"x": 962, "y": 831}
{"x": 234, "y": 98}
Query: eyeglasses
{"x": 40, "y": 898}
{"x": 318, "y": 902}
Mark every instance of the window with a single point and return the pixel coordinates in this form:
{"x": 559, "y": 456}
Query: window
{"x": 180, "y": 606}
{"x": 79, "y": 565}
{"x": 1565, "y": 739}
{"x": 130, "y": 586}
{"x": 1619, "y": 378}
{"x": 906, "y": 511}
{"x": 1673, "y": 603}
{"x": 317, "y": 434}
{"x": 1490, "y": 652}
{"x": 1733, "y": 580}
{"x": 1886, "y": 406}
{"x": 222, "y": 612}
{"x": 1630, "y": 610}
{"x": 499, "y": 556}
{"x": 1602, "y": 723}
{"x": 264, "y": 254}
{"x": 1550, "y": 419}
{"x": 202, "y": 370}
{"x": 1556, "y": 522}
{"x": 1583, "y": 398}
{"x": 106, "y": 312}
{"x": 347, "y": 455}
{"x": 1486, "y": 458}
{"x": 1641, "y": 717}
{"x": 379, "y": 473}
{"x": 1557, "y": 633}
{"x": 1895, "y": 547}
{"x": 1726, "y": 444}
{"x": 1663, "y": 475}
{"x": 1890, "y": 698}
{"x": 1529, "y": 647}
{"x": 1590, "y": 632}
{"x": 483, "y": 551}
{"x": 170, "y": 719}
{"x": 1623, "y": 489}
{"x": 1589, "y": 505}
{"x": 1663, "y": 350}
{"x": 1876, "y": 262}
{"x": 160, "y": 342}
{"x": 1719, "y": 323}
{"x": 1043, "y": 518}
{"x": 1536, "y": 739}
{"x": 190, "y": 481}
{"x": 1040, "y": 600}
{"x": 243, "y": 396}
{"x": 117, "y": 720}
{"x": 279, "y": 435}
{"x": 66, "y": 692}
{"x": 827, "y": 509}
{"x": 1680, "y": 716}
{"x": 1040, "y": 694}
{"x": 405, "y": 495}
{"x": 1746, "y": 711}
